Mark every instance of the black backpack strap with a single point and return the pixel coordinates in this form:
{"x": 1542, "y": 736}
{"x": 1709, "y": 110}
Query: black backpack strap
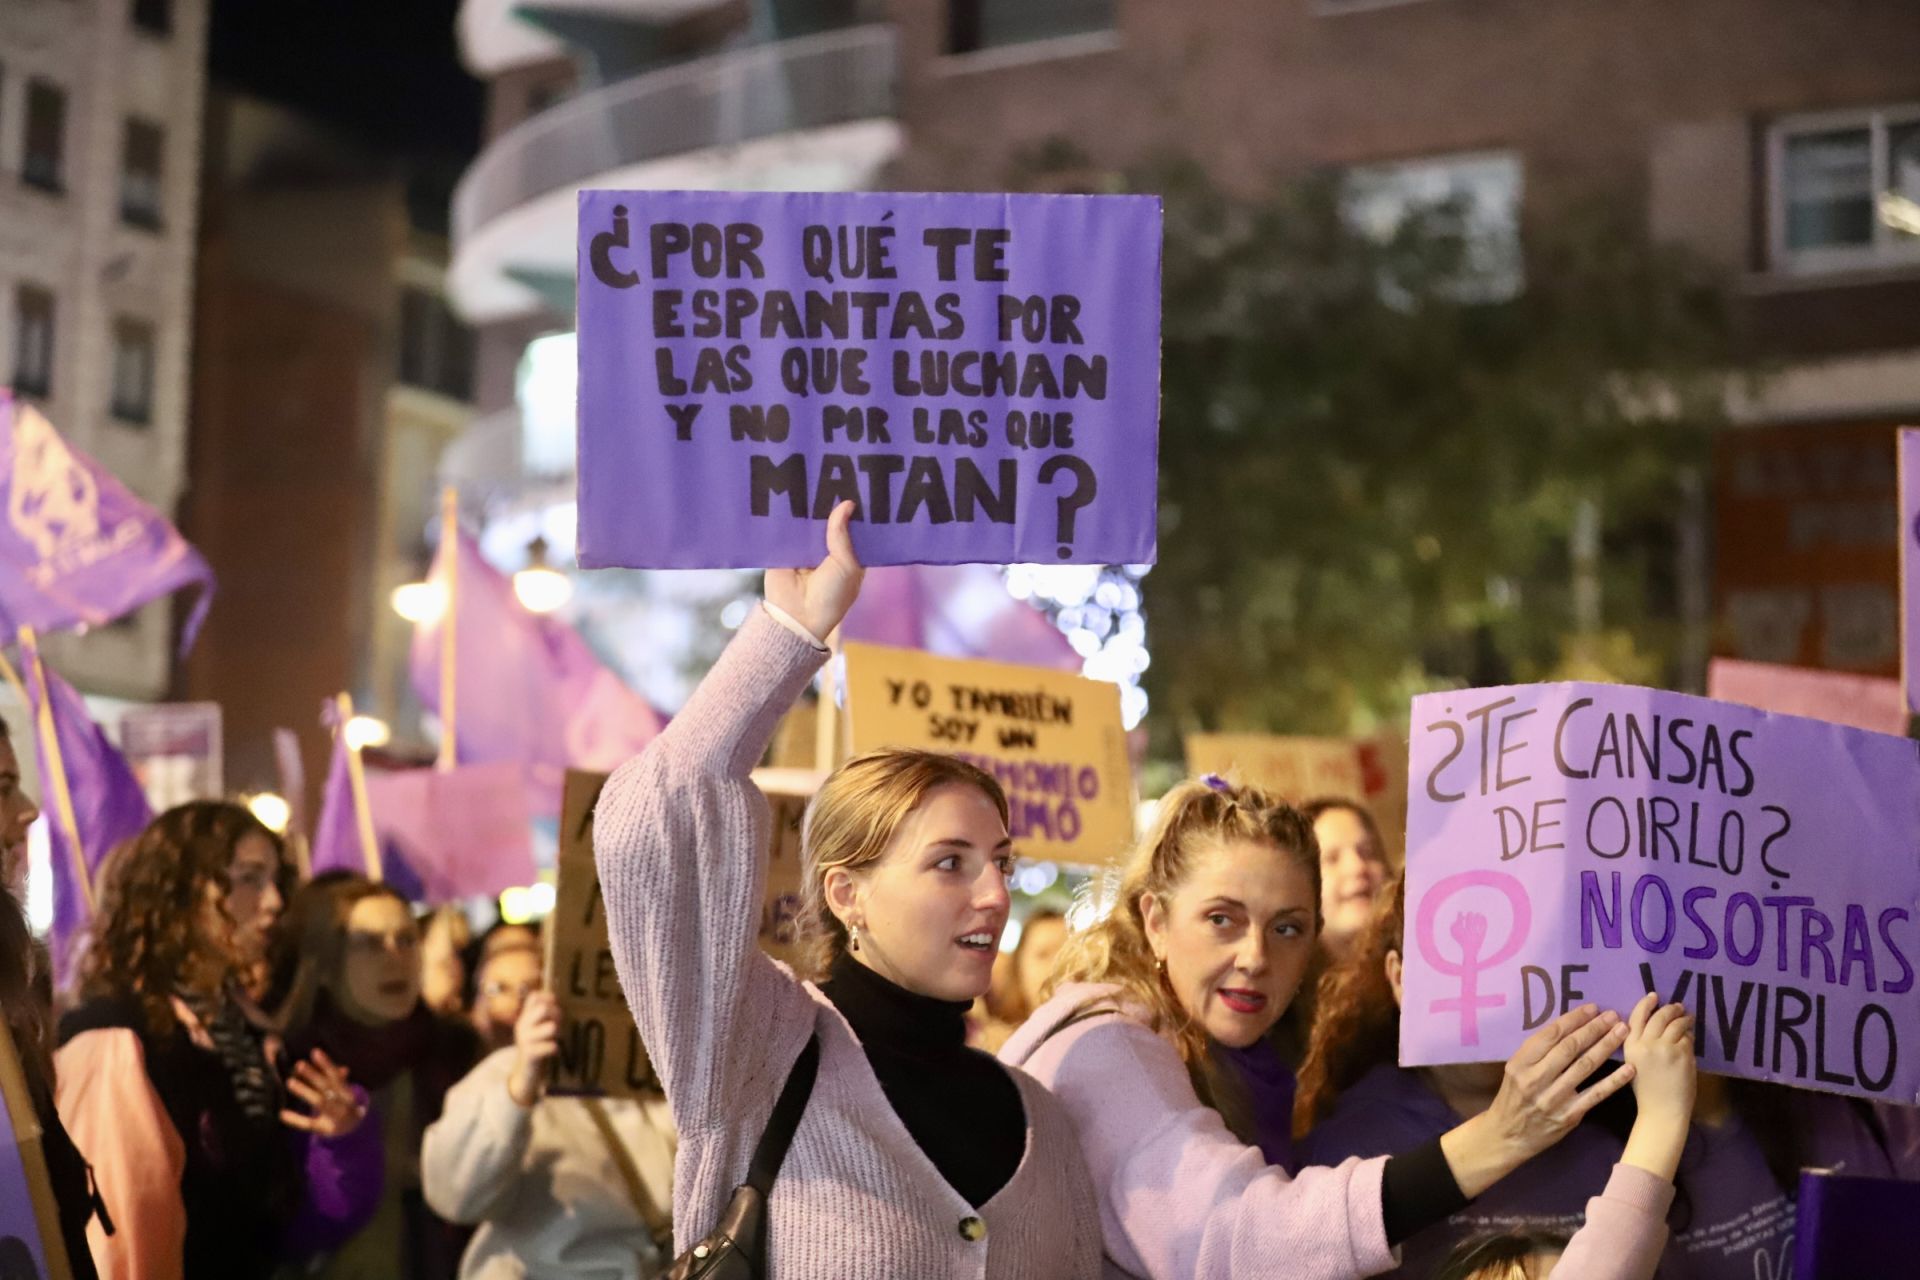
{"x": 772, "y": 1151}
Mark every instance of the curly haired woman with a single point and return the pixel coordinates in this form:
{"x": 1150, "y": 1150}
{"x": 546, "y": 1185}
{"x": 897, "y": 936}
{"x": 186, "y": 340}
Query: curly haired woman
{"x": 167, "y": 1084}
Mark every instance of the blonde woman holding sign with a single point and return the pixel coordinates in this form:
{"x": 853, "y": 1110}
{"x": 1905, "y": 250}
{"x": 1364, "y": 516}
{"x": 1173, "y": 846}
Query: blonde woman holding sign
{"x": 914, "y": 1155}
{"x": 1207, "y": 944}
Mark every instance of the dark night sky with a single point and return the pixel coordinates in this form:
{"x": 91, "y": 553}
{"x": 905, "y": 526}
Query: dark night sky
{"x": 385, "y": 71}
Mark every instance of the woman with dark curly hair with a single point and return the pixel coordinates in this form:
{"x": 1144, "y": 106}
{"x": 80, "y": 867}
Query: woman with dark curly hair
{"x": 167, "y": 1082}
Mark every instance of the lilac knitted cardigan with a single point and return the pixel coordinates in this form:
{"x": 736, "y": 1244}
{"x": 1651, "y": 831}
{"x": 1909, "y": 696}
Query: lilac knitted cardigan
{"x": 680, "y": 836}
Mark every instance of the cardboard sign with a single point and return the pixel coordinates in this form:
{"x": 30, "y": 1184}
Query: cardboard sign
{"x": 600, "y": 1049}
{"x": 1054, "y": 741}
{"x": 1371, "y": 771}
{"x": 30, "y": 1239}
{"x": 1577, "y": 842}
{"x": 981, "y": 373}
{"x": 1864, "y": 702}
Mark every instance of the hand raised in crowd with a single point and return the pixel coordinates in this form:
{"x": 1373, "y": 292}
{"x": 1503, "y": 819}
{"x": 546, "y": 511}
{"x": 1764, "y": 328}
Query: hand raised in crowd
{"x": 1659, "y": 1048}
{"x": 1540, "y": 1098}
{"x": 322, "y": 1084}
{"x": 536, "y": 1039}
{"x": 818, "y": 598}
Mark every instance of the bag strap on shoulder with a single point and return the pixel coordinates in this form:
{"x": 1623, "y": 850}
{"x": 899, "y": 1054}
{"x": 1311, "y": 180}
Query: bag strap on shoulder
{"x": 772, "y": 1151}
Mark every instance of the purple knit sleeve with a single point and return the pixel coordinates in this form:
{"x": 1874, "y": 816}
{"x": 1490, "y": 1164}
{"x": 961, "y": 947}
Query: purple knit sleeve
{"x": 681, "y": 840}
{"x": 345, "y": 1178}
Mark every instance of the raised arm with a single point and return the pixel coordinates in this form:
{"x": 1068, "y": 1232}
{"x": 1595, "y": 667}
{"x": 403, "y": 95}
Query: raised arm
{"x": 681, "y": 838}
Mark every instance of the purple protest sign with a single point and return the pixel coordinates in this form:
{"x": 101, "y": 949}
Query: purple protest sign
{"x": 1910, "y": 565}
{"x": 980, "y": 372}
{"x": 1569, "y": 843}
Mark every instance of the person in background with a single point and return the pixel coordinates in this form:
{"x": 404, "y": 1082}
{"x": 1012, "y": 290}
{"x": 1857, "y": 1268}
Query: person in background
{"x": 445, "y": 936}
{"x": 209, "y": 1162}
{"x": 356, "y": 998}
{"x": 505, "y": 965}
{"x": 1625, "y": 1228}
{"x": 1207, "y": 943}
{"x": 27, "y": 1018}
{"x": 1353, "y": 869}
{"x": 1018, "y": 978}
{"x": 558, "y": 1187}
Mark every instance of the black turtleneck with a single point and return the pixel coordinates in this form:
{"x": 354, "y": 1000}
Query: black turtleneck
{"x": 959, "y": 1104}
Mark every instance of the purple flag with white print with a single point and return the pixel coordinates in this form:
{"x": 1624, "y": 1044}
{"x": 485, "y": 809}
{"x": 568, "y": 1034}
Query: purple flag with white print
{"x": 528, "y": 690}
{"x": 956, "y": 611}
{"x": 77, "y": 547}
{"x": 1584, "y": 842}
{"x": 109, "y": 806}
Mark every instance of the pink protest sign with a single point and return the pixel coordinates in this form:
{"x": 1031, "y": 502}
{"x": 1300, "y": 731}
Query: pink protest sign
{"x": 1569, "y": 843}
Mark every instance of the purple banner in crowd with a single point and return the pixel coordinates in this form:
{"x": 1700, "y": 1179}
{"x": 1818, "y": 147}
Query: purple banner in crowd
{"x": 1569, "y": 843}
{"x": 76, "y": 546}
{"x": 980, "y": 372}
{"x": 1910, "y": 565}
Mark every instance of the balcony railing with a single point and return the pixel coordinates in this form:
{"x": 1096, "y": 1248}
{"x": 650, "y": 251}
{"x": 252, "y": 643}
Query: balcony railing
{"x": 837, "y": 77}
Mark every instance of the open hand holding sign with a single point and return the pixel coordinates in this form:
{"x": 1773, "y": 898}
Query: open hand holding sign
{"x": 818, "y": 598}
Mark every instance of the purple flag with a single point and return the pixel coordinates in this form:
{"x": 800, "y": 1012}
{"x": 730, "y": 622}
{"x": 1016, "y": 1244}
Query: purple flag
{"x": 108, "y": 805}
{"x": 528, "y": 689}
{"x": 956, "y": 611}
{"x": 337, "y": 841}
{"x": 1586, "y": 842}
{"x": 461, "y": 832}
{"x": 77, "y": 547}
{"x": 980, "y": 372}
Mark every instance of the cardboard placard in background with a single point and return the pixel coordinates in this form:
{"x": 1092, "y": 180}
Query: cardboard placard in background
{"x": 600, "y": 1049}
{"x": 1053, "y": 740}
{"x": 1370, "y": 771}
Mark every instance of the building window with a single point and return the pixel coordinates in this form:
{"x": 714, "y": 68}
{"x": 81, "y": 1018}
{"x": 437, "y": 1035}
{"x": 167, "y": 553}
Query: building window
{"x": 1485, "y": 190}
{"x": 133, "y": 371}
{"x": 155, "y": 17}
{"x": 1845, "y": 190}
{"x": 32, "y": 341}
{"x": 436, "y": 350}
{"x": 140, "y": 174}
{"x": 46, "y": 136}
{"x": 973, "y": 25}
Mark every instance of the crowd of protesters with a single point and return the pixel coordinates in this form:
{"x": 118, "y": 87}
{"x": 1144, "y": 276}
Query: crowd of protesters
{"x": 254, "y": 1077}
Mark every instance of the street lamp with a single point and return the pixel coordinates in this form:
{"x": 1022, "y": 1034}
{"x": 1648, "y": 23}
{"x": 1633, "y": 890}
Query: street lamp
{"x": 540, "y": 586}
{"x": 419, "y": 602}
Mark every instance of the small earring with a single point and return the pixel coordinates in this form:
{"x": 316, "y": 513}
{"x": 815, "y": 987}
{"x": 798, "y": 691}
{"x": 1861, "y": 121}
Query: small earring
{"x": 853, "y": 937}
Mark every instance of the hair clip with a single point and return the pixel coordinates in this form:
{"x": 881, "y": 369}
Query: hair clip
{"x": 1214, "y": 782}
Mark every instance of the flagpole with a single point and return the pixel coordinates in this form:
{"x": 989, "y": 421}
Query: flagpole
{"x": 54, "y": 767}
{"x": 826, "y": 721}
{"x": 13, "y": 679}
{"x": 449, "y": 683}
{"x": 357, "y": 779}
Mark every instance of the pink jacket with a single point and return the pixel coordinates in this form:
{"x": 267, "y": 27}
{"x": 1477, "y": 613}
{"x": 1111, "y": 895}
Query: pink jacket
{"x": 1180, "y": 1196}
{"x": 681, "y": 839}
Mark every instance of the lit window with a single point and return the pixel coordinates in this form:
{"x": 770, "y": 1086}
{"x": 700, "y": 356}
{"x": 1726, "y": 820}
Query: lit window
{"x": 1845, "y": 190}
